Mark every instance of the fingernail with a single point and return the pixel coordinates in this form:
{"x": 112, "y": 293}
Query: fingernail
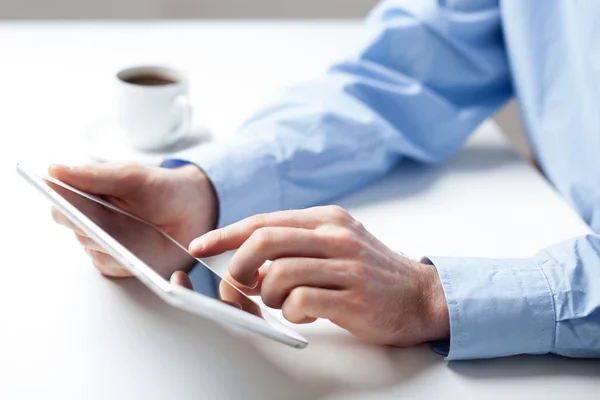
{"x": 198, "y": 244}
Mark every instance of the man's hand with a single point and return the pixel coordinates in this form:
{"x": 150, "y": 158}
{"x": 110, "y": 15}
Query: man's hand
{"x": 324, "y": 264}
{"x": 180, "y": 201}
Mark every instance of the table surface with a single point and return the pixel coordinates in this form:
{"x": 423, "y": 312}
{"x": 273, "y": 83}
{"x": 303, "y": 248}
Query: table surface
{"x": 66, "y": 332}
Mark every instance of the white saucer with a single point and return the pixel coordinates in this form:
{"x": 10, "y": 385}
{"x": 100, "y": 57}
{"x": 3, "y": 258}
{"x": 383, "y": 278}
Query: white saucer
{"x": 106, "y": 141}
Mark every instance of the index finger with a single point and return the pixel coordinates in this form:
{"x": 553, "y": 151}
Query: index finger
{"x": 233, "y": 236}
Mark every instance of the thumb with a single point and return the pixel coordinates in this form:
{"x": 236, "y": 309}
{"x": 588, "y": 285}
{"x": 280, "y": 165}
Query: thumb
{"x": 105, "y": 179}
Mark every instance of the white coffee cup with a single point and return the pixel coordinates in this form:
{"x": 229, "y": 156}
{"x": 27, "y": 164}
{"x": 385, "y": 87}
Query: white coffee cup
{"x": 153, "y": 106}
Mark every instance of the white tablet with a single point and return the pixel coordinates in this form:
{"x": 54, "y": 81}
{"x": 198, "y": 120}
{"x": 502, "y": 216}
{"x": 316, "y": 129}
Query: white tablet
{"x": 212, "y": 297}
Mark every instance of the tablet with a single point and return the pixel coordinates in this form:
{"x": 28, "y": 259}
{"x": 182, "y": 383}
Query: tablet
{"x": 213, "y": 297}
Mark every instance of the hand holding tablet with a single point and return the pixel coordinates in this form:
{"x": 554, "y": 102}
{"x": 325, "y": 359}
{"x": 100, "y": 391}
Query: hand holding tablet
{"x": 165, "y": 198}
{"x": 123, "y": 244}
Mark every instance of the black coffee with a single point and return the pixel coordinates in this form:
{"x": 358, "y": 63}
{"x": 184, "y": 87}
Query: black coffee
{"x": 149, "y": 80}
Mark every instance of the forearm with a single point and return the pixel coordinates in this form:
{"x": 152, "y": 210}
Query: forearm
{"x": 337, "y": 133}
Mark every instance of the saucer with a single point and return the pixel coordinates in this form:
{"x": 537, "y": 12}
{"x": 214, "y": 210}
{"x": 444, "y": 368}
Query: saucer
{"x": 105, "y": 141}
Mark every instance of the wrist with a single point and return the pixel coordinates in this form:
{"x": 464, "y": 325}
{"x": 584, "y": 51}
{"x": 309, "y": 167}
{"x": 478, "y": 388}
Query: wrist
{"x": 434, "y": 310}
{"x": 205, "y": 191}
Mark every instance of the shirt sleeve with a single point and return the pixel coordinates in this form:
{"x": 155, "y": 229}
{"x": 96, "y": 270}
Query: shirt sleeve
{"x": 546, "y": 304}
{"x": 427, "y": 73}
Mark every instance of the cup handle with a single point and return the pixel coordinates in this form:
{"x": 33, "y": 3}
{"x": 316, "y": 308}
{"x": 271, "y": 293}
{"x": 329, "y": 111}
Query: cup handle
{"x": 183, "y": 110}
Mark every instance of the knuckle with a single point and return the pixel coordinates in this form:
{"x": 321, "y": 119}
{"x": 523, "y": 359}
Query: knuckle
{"x": 276, "y": 272}
{"x": 357, "y": 225}
{"x": 269, "y": 297}
{"x": 98, "y": 256}
{"x": 357, "y": 269}
{"x": 258, "y": 221}
{"x": 105, "y": 260}
{"x": 345, "y": 238}
{"x": 98, "y": 259}
{"x": 299, "y": 297}
{"x": 261, "y": 239}
{"x": 275, "y": 286}
{"x": 295, "y": 306}
{"x": 340, "y": 239}
{"x": 236, "y": 272}
{"x": 83, "y": 240}
{"x": 338, "y": 214}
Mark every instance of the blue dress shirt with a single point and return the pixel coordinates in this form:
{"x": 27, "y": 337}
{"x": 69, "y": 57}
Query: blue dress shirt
{"x": 427, "y": 73}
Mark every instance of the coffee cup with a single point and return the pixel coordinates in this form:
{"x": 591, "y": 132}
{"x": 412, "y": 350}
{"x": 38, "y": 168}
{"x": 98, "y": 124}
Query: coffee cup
{"x": 154, "y": 110}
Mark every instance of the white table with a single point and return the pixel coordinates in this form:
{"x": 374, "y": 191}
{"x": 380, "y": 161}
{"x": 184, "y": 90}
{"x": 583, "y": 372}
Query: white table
{"x": 68, "y": 333}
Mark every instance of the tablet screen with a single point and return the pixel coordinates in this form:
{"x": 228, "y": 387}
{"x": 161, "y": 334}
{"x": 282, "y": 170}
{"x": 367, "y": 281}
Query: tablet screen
{"x": 155, "y": 248}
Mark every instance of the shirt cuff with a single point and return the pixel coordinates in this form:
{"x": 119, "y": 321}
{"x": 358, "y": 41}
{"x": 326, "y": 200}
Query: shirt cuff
{"x": 243, "y": 172}
{"x": 497, "y": 307}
